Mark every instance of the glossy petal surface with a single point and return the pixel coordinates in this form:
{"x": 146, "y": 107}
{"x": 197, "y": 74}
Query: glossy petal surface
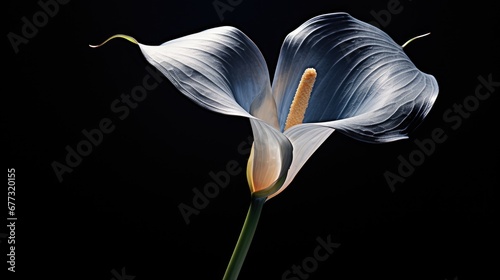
{"x": 366, "y": 85}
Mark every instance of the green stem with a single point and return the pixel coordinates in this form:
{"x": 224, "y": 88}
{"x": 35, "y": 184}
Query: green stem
{"x": 245, "y": 239}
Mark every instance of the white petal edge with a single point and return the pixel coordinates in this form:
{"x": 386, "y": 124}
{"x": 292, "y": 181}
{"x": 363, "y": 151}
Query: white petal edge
{"x": 306, "y": 139}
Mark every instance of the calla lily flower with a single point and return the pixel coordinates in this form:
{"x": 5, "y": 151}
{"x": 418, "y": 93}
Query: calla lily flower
{"x": 334, "y": 73}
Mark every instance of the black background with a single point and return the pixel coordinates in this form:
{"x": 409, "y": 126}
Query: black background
{"x": 118, "y": 208}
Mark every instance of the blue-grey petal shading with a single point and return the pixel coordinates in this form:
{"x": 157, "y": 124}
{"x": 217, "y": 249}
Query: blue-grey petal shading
{"x": 366, "y": 87}
{"x": 220, "y": 69}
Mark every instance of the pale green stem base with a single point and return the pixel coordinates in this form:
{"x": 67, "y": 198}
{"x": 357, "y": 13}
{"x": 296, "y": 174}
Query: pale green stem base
{"x": 245, "y": 239}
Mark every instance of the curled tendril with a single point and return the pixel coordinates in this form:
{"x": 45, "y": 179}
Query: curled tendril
{"x": 411, "y": 40}
{"x": 126, "y": 37}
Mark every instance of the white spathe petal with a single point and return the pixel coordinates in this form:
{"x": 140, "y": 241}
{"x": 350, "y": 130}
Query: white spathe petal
{"x": 270, "y": 159}
{"x": 306, "y": 139}
{"x": 220, "y": 69}
{"x": 392, "y": 119}
{"x": 264, "y": 107}
{"x": 366, "y": 86}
